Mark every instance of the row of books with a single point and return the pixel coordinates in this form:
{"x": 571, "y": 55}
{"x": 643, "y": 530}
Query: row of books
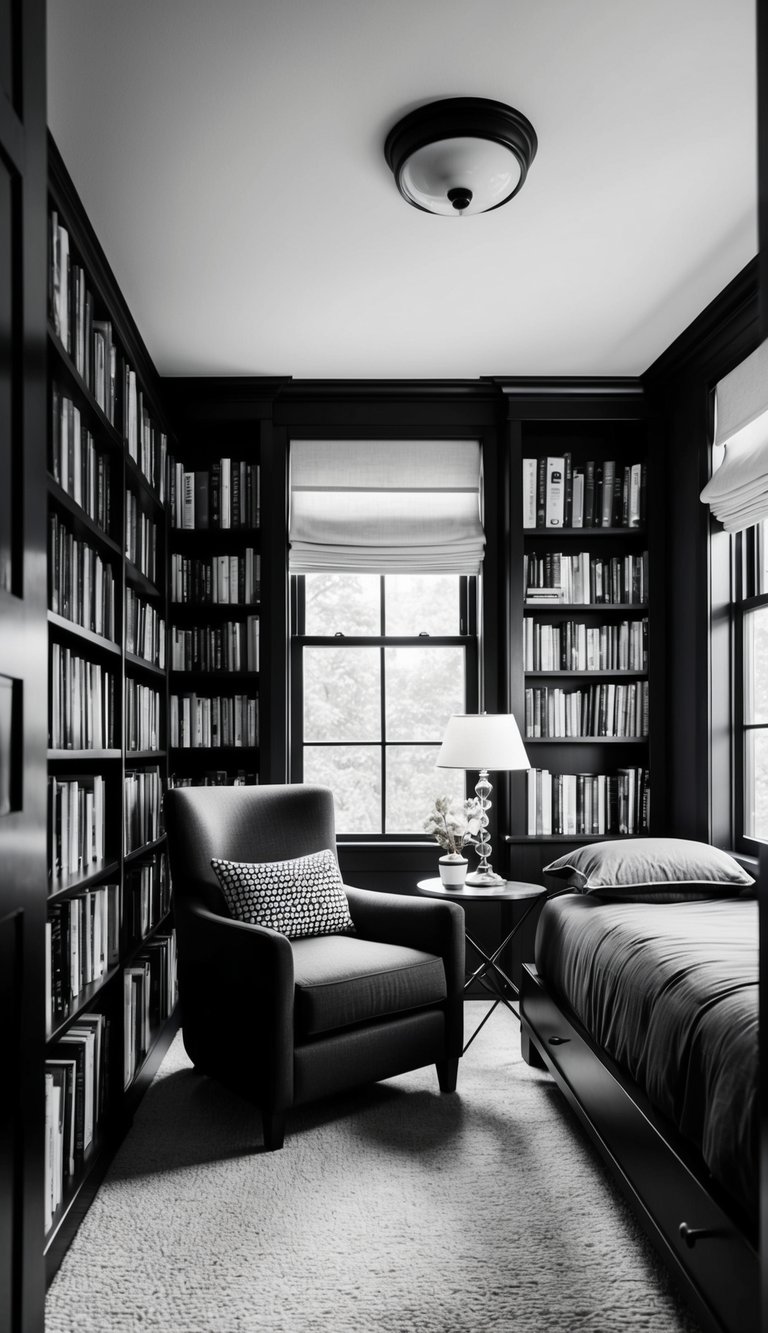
{"x": 76, "y": 822}
{"x": 82, "y": 936}
{"x": 144, "y": 629}
{"x": 217, "y": 579}
{"x": 149, "y": 996}
{"x": 76, "y": 1080}
{"x": 142, "y": 807}
{"x": 572, "y": 645}
{"x": 225, "y": 495}
{"x": 596, "y": 494}
{"x": 147, "y": 897}
{"x": 140, "y": 537}
{"x": 82, "y": 696}
{"x": 82, "y": 470}
{"x": 81, "y": 586}
{"x": 147, "y": 444}
{"x": 583, "y": 579}
{"x": 90, "y": 343}
{"x": 231, "y": 646}
{"x": 142, "y": 716}
{"x": 594, "y": 804}
{"x": 610, "y": 709}
{"x": 201, "y": 722}
{"x": 217, "y": 777}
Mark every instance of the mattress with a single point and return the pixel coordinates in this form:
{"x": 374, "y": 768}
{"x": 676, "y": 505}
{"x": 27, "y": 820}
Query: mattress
{"x": 670, "y": 992}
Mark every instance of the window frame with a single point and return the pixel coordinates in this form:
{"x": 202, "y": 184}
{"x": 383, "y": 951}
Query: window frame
{"x": 747, "y": 563}
{"x": 467, "y": 638}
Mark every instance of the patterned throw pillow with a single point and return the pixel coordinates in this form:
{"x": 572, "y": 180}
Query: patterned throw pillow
{"x": 303, "y": 896}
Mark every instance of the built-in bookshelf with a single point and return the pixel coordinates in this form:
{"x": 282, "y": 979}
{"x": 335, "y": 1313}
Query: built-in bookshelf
{"x": 580, "y": 664}
{"x": 215, "y": 612}
{"x": 110, "y": 949}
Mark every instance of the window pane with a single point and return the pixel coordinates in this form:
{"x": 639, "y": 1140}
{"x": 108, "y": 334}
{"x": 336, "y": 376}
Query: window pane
{"x": 756, "y": 785}
{"x": 756, "y": 666}
{"x": 421, "y": 604}
{"x": 353, "y": 774}
{"x": 342, "y": 698}
{"x": 342, "y": 603}
{"x": 414, "y": 783}
{"x": 424, "y": 686}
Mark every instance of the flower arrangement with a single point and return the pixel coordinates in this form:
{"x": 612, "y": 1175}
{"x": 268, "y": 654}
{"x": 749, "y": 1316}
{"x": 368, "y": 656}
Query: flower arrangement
{"x": 454, "y": 823}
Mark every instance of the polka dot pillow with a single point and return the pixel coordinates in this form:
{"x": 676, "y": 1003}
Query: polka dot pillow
{"x": 303, "y": 896}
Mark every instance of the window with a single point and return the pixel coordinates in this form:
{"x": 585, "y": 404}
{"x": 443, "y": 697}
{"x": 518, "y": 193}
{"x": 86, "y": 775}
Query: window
{"x": 379, "y": 664}
{"x": 751, "y": 695}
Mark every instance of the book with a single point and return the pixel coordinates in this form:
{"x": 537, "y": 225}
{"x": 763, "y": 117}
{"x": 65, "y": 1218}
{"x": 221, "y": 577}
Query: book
{"x": 529, "y": 492}
{"x": 555, "y": 493}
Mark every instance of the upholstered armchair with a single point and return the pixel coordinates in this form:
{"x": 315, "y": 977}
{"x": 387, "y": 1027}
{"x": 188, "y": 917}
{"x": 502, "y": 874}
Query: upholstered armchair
{"x": 286, "y": 1021}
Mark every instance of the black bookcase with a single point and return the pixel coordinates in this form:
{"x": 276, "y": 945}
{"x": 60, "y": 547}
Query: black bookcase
{"x": 109, "y": 944}
{"x": 585, "y": 662}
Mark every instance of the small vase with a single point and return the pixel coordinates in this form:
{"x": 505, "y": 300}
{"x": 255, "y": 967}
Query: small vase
{"x": 453, "y": 870}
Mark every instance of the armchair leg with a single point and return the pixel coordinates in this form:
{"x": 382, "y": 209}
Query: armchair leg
{"x": 274, "y": 1130}
{"x": 447, "y": 1072}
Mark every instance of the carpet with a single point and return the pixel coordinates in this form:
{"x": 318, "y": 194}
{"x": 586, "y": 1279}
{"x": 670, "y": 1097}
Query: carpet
{"x": 390, "y": 1210}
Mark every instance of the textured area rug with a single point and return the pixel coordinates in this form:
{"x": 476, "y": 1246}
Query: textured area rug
{"x": 393, "y": 1209}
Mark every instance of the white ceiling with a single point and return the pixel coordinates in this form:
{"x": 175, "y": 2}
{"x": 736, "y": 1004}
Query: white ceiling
{"x": 230, "y": 158}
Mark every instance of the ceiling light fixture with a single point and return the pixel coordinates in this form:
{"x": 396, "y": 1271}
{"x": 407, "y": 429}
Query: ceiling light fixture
{"x": 460, "y": 156}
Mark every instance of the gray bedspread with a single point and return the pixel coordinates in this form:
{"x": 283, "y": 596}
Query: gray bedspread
{"x": 670, "y": 992}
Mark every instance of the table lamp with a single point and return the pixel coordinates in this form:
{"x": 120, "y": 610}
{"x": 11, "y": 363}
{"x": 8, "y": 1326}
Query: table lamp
{"x": 483, "y": 741}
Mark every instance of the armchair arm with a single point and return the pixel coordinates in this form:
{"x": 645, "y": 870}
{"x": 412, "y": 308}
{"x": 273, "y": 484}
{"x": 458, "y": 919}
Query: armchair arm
{"x": 236, "y": 989}
{"x": 420, "y": 923}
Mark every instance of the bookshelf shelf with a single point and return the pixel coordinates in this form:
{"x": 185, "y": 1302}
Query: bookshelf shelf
{"x": 585, "y": 740}
{"x": 82, "y": 756}
{"x": 87, "y": 636}
{"x": 64, "y": 886}
{"x": 577, "y": 608}
{"x": 107, "y": 941}
{"x": 586, "y": 675}
{"x": 583, "y": 534}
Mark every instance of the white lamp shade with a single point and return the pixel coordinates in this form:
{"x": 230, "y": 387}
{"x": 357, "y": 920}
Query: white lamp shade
{"x": 483, "y": 740}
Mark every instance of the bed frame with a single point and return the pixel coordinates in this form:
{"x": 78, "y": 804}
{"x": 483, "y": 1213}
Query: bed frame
{"x": 704, "y": 1244}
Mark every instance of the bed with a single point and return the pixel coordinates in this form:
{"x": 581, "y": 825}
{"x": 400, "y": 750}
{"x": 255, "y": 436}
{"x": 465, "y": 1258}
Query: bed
{"x": 642, "y": 1002}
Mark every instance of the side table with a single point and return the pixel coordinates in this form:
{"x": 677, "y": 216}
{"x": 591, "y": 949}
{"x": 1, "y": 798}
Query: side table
{"x": 489, "y": 972}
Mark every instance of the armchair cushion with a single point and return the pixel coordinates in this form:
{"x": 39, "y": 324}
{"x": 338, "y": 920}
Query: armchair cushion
{"x": 341, "y": 980}
{"x": 298, "y": 897}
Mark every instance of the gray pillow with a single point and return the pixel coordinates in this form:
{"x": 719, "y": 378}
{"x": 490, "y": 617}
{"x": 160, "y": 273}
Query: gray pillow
{"x": 302, "y": 896}
{"x": 664, "y": 869}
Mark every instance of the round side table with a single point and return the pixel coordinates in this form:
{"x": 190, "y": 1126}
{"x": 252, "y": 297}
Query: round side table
{"x": 489, "y": 973}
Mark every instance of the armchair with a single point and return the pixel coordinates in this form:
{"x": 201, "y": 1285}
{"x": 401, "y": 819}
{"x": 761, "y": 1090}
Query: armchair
{"x": 286, "y": 1021}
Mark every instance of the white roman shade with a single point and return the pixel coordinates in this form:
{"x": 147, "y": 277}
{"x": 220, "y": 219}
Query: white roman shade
{"x": 737, "y": 493}
{"x": 385, "y": 506}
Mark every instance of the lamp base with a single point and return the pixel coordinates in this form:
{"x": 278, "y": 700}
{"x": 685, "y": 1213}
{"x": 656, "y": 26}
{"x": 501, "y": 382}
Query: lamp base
{"x": 484, "y": 879}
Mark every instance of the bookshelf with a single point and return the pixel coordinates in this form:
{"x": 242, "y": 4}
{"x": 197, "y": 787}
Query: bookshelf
{"x": 583, "y": 636}
{"x": 109, "y": 943}
{"x": 215, "y": 609}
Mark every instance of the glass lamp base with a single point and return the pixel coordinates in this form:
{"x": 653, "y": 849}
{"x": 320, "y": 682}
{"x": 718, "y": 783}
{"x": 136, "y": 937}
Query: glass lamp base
{"x": 484, "y": 879}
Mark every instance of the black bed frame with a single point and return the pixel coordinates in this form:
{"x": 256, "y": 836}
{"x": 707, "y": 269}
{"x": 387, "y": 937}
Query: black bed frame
{"x": 698, "y": 1234}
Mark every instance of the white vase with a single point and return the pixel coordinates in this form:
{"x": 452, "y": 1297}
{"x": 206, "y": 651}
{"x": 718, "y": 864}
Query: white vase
{"x": 453, "y": 870}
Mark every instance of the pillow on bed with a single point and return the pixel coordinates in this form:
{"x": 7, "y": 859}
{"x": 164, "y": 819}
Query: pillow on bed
{"x": 664, "y": 869}
{"x": 302, "y": 896}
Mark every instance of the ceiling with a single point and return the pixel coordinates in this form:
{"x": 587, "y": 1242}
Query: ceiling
{"x": 230, "y": 158}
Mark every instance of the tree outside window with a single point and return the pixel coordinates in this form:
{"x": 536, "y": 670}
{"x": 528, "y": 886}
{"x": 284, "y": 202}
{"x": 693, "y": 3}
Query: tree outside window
{"x": 382, "y": 661}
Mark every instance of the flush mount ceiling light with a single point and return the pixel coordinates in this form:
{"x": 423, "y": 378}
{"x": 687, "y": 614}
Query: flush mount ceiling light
{"x": 460, "y": 156}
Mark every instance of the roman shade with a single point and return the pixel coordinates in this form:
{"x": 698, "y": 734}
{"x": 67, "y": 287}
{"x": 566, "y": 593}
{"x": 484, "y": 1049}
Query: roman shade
{"x": 737, "y": 493}
{"x": 385, "y": 506}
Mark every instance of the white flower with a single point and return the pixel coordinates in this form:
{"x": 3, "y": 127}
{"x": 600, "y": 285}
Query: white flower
{"x": 453, "y": 823}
